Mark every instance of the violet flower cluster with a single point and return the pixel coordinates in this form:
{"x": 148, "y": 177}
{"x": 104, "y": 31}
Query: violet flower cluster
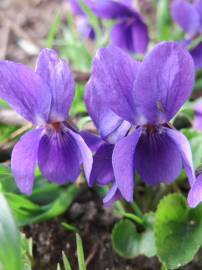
{"x": 189, "y": 17}
{"x": 129, "y": 31}
{"x": 131, "y": 104}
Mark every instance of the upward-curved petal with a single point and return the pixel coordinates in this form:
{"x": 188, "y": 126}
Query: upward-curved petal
{"x": 25, "y": 91}
{"x": 111, "y": 83}
{"x": 164, "y": 82}
{"x": 186, "y": 15}
{"x": 110, "y": 126}
{"x": 56, "y": 73}
{"x": 24, "y": 160}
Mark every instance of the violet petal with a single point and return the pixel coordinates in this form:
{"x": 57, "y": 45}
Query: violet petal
{"x": 56, "y": 73}
{"x": 119, "y": 71}
{"x": 25, "y": 91}
{"x": 157, "y": 158}
{"x": 24, "y": 160}
{"x": 59, "y": 157}
{"x": 164, "y": 82}
{"x": 186, "y": 15}
{"x": 184, "y": 148}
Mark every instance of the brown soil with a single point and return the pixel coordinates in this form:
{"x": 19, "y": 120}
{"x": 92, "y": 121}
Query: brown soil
{"x": 95, "y": 224}
{"x": 24, "y": 26}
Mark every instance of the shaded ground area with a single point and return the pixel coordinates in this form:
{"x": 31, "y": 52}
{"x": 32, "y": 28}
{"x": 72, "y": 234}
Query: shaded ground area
{"x": 95, "y": 224}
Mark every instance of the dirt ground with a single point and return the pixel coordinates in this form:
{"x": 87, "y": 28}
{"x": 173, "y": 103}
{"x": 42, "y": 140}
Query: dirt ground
{"x": 95, "y": 224}
{"x": 24, "y": 25}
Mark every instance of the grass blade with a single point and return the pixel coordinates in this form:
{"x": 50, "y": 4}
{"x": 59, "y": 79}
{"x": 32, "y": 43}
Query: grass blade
{"x": 80, "y": 253}
{"x": 66, "y": 262}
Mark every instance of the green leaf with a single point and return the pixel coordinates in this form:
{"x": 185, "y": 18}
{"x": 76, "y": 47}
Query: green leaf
{"x": 66, "y": 262}
{"x": 178, "y": 231}
{"x": 80, "y": 253}
{"x": 26, "y": 250}
{"x": 57, "y": 207}
{"x": 6, "y": 179}
{"x": 70, "y": 227}
{"x": 27, "y": 212}
{"x": 10, "y": 251}
{"x": 58, "y": 267}
{"x": 6, "y": 131}
{"x": 53, "y": 30}
{"x": 78, "y": 103}
{"x": 45, "y": 192}
{"x": 129, "y": 243}
{"x": 72, "y": 48}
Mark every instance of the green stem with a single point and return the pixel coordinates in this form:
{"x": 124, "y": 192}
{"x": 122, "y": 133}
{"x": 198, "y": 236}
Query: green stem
{"x": 133, "y": 217}
{"x": 164, "y": 267}
{"x": 195, "y": 42}
{"x": 120, "y": 208}
{"x": 137, "y": 209}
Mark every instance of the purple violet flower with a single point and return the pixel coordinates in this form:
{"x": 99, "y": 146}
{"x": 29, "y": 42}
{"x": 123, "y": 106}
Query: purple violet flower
{"x": 44, "y": 97}
{"x": 147, "y": 95}
{"x": 111, "y": 128}
{"x": 189, "y": 17}
{"x": 130, "y": 31}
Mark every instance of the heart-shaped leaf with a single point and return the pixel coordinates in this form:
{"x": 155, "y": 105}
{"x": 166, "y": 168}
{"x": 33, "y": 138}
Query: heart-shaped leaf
{"x": 178, "y": 231}
{"x": 129, "y": 243}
